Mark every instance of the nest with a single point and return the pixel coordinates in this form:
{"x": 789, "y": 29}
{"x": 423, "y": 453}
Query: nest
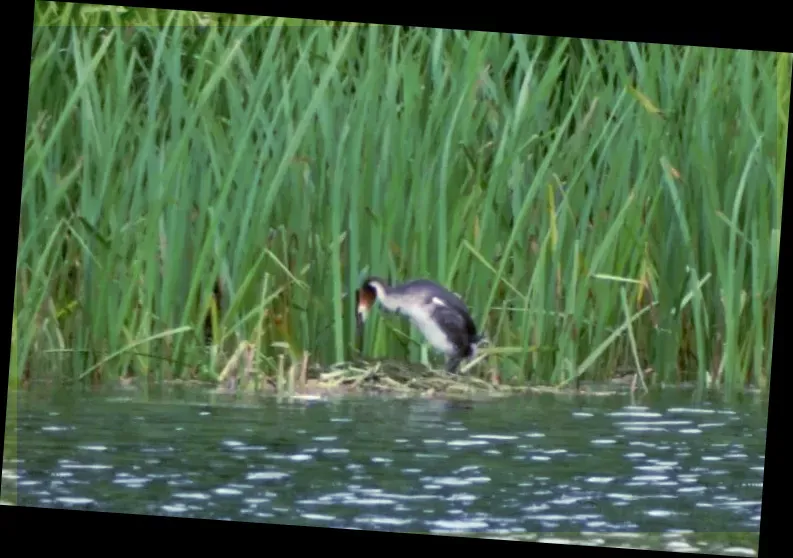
{"x": 300, "y": 380}
{"x": 396, "y": 377}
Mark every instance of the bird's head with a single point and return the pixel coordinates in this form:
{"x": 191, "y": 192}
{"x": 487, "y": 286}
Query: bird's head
{"x": 370, "y": 290}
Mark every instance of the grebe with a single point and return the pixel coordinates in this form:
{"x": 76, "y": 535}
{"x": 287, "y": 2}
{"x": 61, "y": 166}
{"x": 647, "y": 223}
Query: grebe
{"x": 441, "y": 316}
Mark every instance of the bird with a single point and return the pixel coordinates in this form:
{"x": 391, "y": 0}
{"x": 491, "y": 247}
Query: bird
{"x": 440, "y": 315}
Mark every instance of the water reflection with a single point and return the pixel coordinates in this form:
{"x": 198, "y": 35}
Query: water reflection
{"x": 523, "y": 466}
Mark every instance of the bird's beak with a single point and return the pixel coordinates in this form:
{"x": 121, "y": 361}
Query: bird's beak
{"x": 360, "y": 317}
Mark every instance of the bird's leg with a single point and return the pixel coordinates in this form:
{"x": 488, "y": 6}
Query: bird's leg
{"x": 452, "y": 363}
{"x": 425, "y": 359}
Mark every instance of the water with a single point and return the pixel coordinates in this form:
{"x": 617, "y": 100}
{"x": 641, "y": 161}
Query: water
{"x": 538, "y": 465}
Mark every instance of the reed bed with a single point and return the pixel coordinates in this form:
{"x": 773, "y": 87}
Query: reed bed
{"x": 192, "y": 188}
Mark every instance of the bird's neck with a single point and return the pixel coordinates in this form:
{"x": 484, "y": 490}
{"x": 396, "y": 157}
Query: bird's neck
{"x": 389, "y": 303}
{"x": 382, "y": 294}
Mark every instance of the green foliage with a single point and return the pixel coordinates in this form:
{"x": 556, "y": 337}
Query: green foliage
{"x": 598, "y": 204}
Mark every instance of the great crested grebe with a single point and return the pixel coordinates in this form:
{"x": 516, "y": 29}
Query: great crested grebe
{"x": 441, "y": 316}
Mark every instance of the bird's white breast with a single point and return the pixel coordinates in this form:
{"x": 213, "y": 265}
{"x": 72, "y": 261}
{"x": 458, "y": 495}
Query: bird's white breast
{"x": 422, "y": 319}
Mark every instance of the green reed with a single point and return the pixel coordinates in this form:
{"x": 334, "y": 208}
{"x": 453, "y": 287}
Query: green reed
{"x": 598, "y": 204}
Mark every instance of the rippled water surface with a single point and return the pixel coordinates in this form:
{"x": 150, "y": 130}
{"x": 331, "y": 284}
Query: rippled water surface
{"x": 539, "y": 464}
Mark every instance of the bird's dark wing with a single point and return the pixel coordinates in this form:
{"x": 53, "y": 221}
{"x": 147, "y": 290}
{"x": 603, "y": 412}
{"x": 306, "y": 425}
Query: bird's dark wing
{"x": 458, "y": 326}
{"x": 451, "y": 298}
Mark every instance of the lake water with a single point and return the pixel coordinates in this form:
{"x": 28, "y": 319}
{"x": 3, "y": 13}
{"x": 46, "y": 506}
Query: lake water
{"x": 687, "y": 475}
